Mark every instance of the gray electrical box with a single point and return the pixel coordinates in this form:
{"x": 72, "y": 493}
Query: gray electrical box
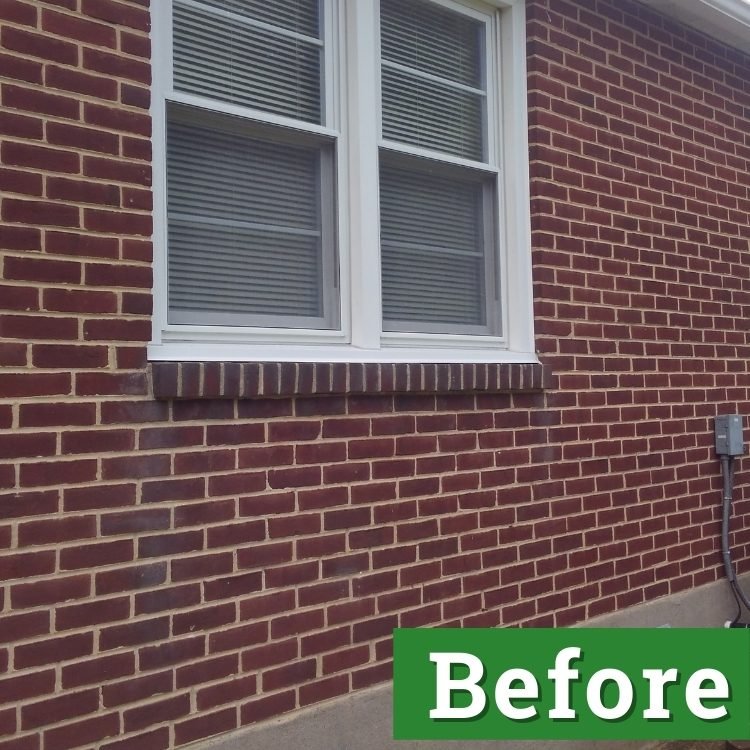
{"x": 729, "y": 435}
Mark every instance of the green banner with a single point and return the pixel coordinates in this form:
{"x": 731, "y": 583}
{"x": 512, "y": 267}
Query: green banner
{"x": 587, "y": 683}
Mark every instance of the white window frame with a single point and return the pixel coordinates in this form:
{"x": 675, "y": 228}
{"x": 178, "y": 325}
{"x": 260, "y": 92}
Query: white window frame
{"x": 352, "y": 107}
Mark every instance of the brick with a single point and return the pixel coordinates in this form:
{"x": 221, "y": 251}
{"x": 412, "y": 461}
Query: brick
{"x": 80, "y": 191}
{"x": 173, "y": 489}
{"x": 232, "y": 586}
{"x": 40, "y": 102}
{"x": 74, "y": 81}
{"x": 116, "y": 66}
{"x": 161, "y": 545}
{"x": 39, "y": 45}
{"x": 136, "y": 689}
{"x": 40, "y": 212}
{"x": 27, "y": 445}
{"x": 80, "y": 29}
{"x": 21, "y": 182}
{"x": 136, "y": 467}
{"x": 83, "y": 138}
{"x": 98, "y": 497}
{"x": 156, "y": 712}
{"x": 166, "y": 599}
{"x": 57, "y": 530}
{"x": 98, "y": 670}
{"x": 54, "y": 650}
{"x": 19, "y": 238}
{"x": 249, "y": 634}
{"x": 207, "y": 670}
{"x": 227, "y": 692}
{"x": 26, "y": 564}
{"x": 11, "y": 355}
{"x": 117, "y": 13}
{"x": 236, "y": 534}
{"x": 57, "y": 414}
{"x": 202, "y": 566}
{"x": 174, "y": 652}
{"x": 44, "y": 593}
{"x": 18, "y": 12}
{"x": 16, "y": 627}
{"x": 24, "y": 687}
{"x": 96, "y": 555}
{"x": 120, "y": 120}
{"x": 134, "y": 633}
{"x": 62, "y": 708}
{"x": 79, "y": 733}
{"x": 203, "y": 619}
{"x": 131, "y": 579}
{"x": 116, "y": 330}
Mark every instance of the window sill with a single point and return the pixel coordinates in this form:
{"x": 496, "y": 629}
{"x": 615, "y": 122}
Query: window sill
{"x": 248, "y": 380}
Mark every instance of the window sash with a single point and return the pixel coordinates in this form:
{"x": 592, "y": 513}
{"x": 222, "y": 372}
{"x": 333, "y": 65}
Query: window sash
{"x": 474, "y": 167}
{"x": 220, "y": 113}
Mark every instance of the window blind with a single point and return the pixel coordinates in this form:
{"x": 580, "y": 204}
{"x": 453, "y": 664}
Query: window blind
{"x": 266, "y": 56}
{"x": 433, "y": 81}
{"x": 432, "y": 246}
{"x": 245, "y": 227}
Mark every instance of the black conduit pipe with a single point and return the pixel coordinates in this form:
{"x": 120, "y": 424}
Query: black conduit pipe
{"x": 727, "y": 473}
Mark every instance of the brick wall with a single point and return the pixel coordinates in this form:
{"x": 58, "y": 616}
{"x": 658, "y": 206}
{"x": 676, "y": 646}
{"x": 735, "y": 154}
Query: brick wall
{"x": 175, "y": 569}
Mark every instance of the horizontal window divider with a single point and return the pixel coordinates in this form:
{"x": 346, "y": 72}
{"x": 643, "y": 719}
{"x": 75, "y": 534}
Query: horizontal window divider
{"x": 447, "y": 82}
{"x": 242, "y": 114}
{"x": 447, "y": 161}
{"x": 192, "y": 219}
{"x": 247, "y": 21}
{"x": 274, "y": 379}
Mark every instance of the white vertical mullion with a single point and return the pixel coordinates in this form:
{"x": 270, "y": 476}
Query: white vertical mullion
{"x": 161, "y": 86}
{"x": 518, "y": 287}
{"x": 364, "y": 244}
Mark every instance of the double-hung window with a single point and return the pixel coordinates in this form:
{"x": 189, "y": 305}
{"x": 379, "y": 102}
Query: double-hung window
{"x": 341, "y": 180}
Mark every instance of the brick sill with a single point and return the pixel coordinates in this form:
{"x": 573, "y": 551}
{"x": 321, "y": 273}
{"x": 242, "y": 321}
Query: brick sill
{"x": 247, "y": 380}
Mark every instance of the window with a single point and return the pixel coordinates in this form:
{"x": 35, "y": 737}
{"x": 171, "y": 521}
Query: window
{"x": 341, "y": 180}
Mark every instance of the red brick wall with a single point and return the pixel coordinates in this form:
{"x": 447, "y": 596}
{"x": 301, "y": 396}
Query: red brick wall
{"x": 170, "y": 570}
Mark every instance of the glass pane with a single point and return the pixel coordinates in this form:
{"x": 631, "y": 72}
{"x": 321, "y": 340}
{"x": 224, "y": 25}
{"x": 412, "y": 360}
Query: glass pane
{"x": 433, "y": 78}
{"x": 432, "y": 39}
{"x": 433, "y": 254}
{"x": 244, "y": 224}
{"x": 222, "y": 58}
{"x": 301, "y": 16}
{"x": 430, "y": 115}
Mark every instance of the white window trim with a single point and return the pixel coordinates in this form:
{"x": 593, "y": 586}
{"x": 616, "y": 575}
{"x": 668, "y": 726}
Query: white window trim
{"x": 354, "y": 118}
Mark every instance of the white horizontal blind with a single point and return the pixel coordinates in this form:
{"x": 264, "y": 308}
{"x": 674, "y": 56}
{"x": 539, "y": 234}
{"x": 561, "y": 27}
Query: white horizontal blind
{"x": 245, "y": 228}
{"x": 433, "y": 82}
{"x": 433, "y": 256}
{"x": 263, "y": 55}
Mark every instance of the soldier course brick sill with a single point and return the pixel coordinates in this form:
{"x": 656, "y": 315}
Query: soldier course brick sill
{"x": 246, "y": 380}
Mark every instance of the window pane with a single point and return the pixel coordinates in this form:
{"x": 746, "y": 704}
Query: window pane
{"x": 301, "y": 16}
{"x": 432, "y": 39}
{"x": 430, "y": 115}
{"x": 433, "y": 78}
{"x": 433, "y": 251}
{"x": 226, "y": 58}
{"x": 245, "y": 227}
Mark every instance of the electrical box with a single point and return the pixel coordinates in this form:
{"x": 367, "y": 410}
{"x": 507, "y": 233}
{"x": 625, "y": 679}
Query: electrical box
{"x": 729, "y": 440}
